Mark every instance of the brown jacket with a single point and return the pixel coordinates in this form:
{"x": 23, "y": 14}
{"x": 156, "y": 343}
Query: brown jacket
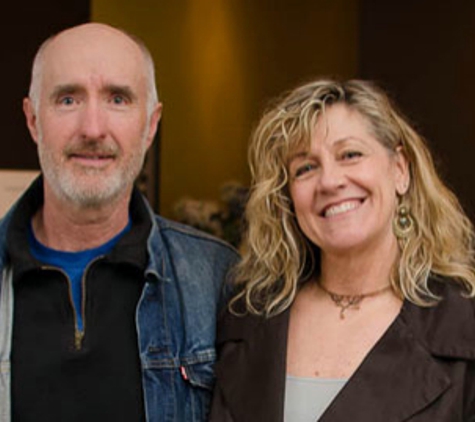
{"x": 422, "y": 369}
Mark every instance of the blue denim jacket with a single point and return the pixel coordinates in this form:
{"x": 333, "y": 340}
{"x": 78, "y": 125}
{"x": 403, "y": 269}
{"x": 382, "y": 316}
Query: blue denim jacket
{"x": 175, "y": 319}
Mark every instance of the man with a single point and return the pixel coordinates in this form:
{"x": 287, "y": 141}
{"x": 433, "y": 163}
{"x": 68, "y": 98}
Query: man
{"x": 107, "y": 312}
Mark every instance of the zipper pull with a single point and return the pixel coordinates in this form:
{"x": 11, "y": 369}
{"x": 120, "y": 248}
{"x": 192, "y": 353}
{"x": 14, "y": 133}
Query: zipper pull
{"x": 78, "y": 336}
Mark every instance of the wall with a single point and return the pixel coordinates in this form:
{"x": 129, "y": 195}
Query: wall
{"x": 218, "y": 63}
{"x": 423, "y": 52}
{"x": 25, "y": 26}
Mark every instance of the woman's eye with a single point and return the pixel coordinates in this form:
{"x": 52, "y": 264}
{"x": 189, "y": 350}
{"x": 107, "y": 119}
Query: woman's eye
{"x": 348, "y": 155}
{"x": 304, "y": 169}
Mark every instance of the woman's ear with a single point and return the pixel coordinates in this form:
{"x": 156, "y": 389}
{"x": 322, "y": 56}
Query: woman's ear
{"x": 402, "y": 174}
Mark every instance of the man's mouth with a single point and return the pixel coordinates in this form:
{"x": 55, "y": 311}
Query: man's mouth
{"x": 91, "y": 159}
{"x": 92, "y": 154}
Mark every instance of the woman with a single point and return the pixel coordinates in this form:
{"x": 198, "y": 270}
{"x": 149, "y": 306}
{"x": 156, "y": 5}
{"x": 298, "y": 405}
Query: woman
{"x": 354, "y": 295}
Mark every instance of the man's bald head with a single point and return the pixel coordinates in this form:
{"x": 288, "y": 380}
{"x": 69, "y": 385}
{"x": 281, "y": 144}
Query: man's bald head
{"x": 91, "y": 34}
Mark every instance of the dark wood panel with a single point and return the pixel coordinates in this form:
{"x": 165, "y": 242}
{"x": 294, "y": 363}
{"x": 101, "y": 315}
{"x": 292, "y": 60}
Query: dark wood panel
{"x": 423, "y": 52}
{"x": 24, "y": 27}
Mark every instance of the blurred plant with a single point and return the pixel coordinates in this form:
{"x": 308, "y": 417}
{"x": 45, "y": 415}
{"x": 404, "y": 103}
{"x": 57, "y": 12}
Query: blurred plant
{"x": 223, "y": 218}
{"x": 204, "y": 215}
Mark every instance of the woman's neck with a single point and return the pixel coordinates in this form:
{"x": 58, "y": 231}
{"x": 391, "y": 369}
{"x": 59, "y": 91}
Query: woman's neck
{"x": 357, "y": 273}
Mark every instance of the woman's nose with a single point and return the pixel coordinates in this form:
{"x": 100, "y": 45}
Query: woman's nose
{"x": 332, "y": 176}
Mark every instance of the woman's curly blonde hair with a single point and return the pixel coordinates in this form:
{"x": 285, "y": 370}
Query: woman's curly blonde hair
{"x": 277, "y": 255}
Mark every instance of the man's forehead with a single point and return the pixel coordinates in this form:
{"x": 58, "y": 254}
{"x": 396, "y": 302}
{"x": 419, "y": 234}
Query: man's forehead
{"x": 94, "y": 45}
{"x": 100, "y": 33}
{"x": 104, "y": 63}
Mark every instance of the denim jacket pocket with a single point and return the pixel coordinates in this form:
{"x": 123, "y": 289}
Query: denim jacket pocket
{"x": 198, "y": 371}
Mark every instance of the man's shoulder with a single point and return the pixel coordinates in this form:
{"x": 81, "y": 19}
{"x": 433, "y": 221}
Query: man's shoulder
{"x": 4, "y": 224}
{"x": 199, "y": 261}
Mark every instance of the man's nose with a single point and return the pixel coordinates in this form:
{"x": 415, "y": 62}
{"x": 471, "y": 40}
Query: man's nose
{"x": 93, "y": 120}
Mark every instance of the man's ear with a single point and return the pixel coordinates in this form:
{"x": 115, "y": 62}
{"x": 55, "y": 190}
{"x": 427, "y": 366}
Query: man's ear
{"x": 31, "y": 120}
{"x": 153, "y": 125}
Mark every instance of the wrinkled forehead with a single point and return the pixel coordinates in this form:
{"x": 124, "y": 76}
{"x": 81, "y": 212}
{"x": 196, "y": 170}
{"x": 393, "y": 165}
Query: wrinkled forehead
{"x": 100, "y": 53}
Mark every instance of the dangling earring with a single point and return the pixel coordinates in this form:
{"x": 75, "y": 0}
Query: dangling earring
{"x": 403, "y": 223}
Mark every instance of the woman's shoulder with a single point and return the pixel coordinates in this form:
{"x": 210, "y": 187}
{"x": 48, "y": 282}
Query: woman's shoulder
{"x": 446, "y": 328}
{"x": 237, "y": 322}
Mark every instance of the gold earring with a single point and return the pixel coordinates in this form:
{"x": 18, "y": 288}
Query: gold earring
{"x": 403, "y": 223}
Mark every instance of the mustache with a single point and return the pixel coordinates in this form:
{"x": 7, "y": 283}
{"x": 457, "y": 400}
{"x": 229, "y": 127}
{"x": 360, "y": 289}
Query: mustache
{"x": 92, "y": 147}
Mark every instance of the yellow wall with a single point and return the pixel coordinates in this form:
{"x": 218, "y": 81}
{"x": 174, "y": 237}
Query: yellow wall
{"x": 218, "y": 63}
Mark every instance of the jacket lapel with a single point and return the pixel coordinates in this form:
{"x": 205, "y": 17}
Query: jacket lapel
{"x": 251, "y": 369}
{"x": 398, "y": 378}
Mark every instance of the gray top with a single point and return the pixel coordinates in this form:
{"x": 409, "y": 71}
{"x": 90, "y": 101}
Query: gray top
{"x": 307, "y": 398}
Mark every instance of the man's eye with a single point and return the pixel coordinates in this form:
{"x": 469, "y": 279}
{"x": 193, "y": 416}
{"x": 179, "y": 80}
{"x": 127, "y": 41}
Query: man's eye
{"x": 118, "y": 99}
{"x": 66, "y": 100}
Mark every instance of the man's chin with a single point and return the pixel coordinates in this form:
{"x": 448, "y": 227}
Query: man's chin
{"x": 93, "y": 200}
{"x": 92, "y": 195}
{"x": 92, "y": 188}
